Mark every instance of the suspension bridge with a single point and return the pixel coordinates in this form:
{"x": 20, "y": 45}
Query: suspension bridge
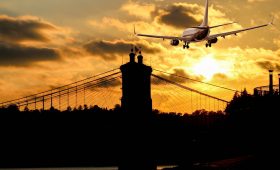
{"x": 170, "y": 93}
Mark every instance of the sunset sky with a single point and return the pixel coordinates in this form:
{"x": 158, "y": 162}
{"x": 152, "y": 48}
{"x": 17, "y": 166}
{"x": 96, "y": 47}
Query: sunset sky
{"x": 49, "y": 43}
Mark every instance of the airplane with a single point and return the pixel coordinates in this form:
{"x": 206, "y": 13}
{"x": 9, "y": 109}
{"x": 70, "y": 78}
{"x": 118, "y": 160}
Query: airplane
{"x": 201, "y": 33}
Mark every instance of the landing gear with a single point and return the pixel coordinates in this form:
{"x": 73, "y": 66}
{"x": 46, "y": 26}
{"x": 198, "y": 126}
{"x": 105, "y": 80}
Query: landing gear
{"x": 208, "y": 45}
{"x": 186, "y": 46}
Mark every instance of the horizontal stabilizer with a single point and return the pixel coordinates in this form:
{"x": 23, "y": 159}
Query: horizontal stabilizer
{"x": 199, "y": 27}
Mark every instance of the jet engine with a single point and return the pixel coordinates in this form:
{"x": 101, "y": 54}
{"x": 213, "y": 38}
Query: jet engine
{"x": 213, "y": 41}
{"x": 174, "y": 42}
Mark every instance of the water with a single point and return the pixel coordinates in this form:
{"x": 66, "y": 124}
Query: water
{"x": 77, "y": 168}
{"x": 80, "y": 168}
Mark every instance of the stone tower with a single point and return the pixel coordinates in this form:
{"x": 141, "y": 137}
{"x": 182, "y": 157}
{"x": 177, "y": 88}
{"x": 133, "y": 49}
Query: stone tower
{"x": 136, "y": 87}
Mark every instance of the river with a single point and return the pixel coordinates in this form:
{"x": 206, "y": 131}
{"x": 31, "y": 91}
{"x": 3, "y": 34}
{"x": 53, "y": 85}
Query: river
{"x": 79, "y": 168}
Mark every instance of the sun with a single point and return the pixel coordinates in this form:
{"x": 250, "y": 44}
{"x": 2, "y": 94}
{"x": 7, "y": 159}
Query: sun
{"x": 207, "y": 67}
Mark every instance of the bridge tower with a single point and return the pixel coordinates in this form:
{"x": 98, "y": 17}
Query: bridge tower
{"x": 136, "y": 87}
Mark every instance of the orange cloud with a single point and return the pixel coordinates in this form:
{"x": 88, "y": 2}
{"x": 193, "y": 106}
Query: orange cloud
{"x": 110, "y": 50}
{"x": 141, "y": 10}
{"x": 31, "y": 30}
{"x": 20, "y": 55}
{"x": 169, "y": 20}
{"x": 23, "y": 28}
{"x": 28, "y": 39}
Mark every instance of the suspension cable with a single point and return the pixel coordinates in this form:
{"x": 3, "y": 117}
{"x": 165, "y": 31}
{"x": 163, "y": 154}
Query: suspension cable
{"x": 4, "y": 103}
{"x": 38, "y": 95}
{"x": 229, "y": 89}
{"x": 189, "y": 89}
{"x": 79, "y": 89}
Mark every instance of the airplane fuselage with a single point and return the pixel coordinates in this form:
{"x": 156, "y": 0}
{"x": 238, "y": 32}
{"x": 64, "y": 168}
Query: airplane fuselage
{"x": 195, "y": 34}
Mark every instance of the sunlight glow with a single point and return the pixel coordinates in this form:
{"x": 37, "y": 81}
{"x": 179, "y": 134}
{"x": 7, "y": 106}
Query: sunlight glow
{"x": 208, "y": 66}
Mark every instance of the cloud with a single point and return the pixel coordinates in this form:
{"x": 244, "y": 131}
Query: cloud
{"x": 220, "y": 76}
{"x": 109, "y": 50}
{"x": 7, "y": 11}
{"x": 251, "y": 1}
{"x": 268, "y": 65}
{"x": 179, "y": 16}
{"x": 140, "y": 10}
{"x": 276, "y": 42}
{"x": 25, "y": 40}
{"x": 176, "y": 72}
{"x": 19, "y": 55}
{"x": 124, "y": 28}
{"x": 163, "y": 21}
{"x": 24, "y": 28}
{"x": 110, "y": 83}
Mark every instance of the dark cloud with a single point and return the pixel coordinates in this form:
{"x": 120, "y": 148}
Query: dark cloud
{"x": 267, "y": 65}
{"x": 110, "y": 50}
{"x": 111, "y": 83}
{"x": 18, "y": 55}
{"x": 177, "y": 16}
{"x": 174, "y": 77}
{"x": 20, "y": 29}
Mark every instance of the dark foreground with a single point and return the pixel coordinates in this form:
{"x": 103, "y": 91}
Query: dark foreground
{"x": 244, "y": 138}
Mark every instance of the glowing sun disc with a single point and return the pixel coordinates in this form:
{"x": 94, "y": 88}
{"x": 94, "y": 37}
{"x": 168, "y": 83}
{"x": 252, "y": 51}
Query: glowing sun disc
{"x": 207, "y": 67}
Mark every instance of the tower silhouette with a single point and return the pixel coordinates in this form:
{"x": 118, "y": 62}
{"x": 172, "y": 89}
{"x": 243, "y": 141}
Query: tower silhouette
{"x": 136, "y": 87}
{"x": 136, "y": 104}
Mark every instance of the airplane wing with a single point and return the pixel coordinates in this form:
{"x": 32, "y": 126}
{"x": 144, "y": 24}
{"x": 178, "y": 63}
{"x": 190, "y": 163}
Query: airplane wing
{"x": 163, "y": 37}
{"x": 159, "y": 36}
{"x": 235, "y": 32}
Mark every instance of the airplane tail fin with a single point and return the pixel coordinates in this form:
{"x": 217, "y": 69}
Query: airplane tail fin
{"x": 205, "y": 19}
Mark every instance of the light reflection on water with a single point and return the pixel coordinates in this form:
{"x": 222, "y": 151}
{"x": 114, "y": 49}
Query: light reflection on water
{"x": 79, "y": 168}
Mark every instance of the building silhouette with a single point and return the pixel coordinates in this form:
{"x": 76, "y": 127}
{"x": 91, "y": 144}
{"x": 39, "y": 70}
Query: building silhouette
{"x": 136, "y": 87}
{"x": 271, "y": 89}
